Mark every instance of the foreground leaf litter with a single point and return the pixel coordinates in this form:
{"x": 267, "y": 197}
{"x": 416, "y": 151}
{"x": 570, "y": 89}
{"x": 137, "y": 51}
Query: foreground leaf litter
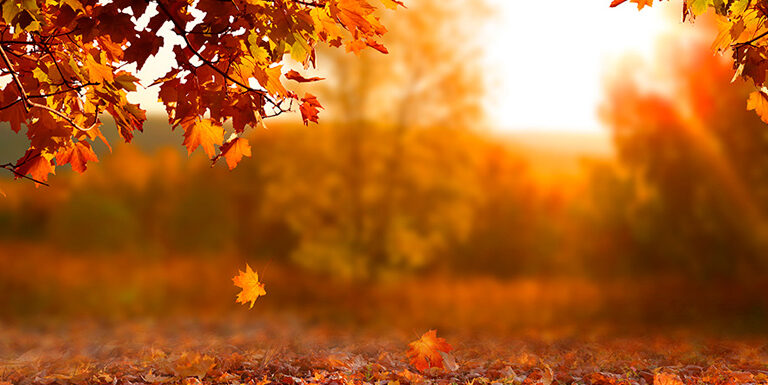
{"x": 284, "y": 352}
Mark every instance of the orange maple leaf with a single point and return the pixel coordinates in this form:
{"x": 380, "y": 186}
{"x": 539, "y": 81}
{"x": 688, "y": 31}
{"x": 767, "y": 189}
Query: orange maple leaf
{"x": 248, "y": 280}
{"x": 206, "y": 133}
{"x": 36, "y": 165}
{"x": 758, "y": 101}
{"x": 234, "y": 150}
{"x": 77, "y": 155}
{"x": 424, "y": 353}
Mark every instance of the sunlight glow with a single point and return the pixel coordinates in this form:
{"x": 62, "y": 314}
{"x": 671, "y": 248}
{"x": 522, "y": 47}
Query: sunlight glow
{"x": 547, "y": 59}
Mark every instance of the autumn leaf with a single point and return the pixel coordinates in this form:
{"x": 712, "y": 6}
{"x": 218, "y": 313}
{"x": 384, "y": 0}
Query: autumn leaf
{"x": 206, "y": 133}
{"x": 248, "y": 280}
{"x": 193, "y": 365}
{"x": 77, "y": 155}
{"x": 377, "y": 46}
{"x": 152, "y": 378}
{"x": 642, "y": 3}
{"x": 87, "y": 72}
{"x": 666, "y": 379}
{"x": 758, "y": 101}
{"x": 98, "y": 72}
{"x": 293, "y": 75}
{"x": 309, "y": 108}
{"x": 36, "y": 165}
{"x": 697, "y": 7}
{"x": 234, "y": 150}
{"x": 425, "y": 352}
{"x": 392, "y": 4}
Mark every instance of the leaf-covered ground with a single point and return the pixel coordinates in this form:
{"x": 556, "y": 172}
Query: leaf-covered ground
{"x": 286, "y": 352}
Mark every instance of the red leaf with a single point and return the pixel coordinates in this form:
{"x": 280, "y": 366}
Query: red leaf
{"x": 310, "y": 107}
{"x": 77, "y": 155}
{"x": 377, "y": 46}
{"x": 34, "y": 164}
{"x": 293, "y": 75}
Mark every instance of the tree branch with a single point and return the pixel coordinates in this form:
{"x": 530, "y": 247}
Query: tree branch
{"x": 29, "y": 104}
{"x": 749, "y": 42}
{"x": 183, "y": 34}
{"x": 12, "y": 168}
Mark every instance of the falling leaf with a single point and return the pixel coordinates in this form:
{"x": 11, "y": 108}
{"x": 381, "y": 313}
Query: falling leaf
{"x": 248, "y": 280}
{"x": 425, "y": 352}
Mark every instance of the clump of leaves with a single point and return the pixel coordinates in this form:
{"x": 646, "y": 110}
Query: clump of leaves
{"x": 248, "y": 280}
{"x": 68, "y": 66}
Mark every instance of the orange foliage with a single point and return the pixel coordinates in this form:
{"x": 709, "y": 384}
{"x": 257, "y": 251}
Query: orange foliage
{"x": 67, "y": 61}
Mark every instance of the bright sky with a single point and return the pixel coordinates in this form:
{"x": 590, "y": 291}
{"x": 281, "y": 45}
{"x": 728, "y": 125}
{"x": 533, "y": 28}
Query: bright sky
{"x": 547, "y": 58}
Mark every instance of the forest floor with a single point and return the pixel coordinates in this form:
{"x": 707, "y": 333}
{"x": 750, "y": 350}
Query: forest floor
{"x": 283, "y": 351}
{"x": 124, "y": 319}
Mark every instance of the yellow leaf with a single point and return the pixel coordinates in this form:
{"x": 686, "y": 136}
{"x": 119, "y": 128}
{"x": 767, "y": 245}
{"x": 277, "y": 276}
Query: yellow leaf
{"x": 758, "y": 101}
{"x": 248, "y": 280}
{"x": 98, "y": 72}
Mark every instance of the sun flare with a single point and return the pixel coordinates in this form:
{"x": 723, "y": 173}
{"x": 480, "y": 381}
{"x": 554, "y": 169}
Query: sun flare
{"x": 547, "y": 60}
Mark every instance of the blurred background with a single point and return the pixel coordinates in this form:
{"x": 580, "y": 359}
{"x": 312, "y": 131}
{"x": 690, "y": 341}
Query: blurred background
{"x": 505, "y": 169}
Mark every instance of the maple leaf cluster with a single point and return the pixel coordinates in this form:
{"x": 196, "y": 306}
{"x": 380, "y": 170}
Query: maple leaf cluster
{"x": 743, "y": 30}
{"x": 64, "y": 66}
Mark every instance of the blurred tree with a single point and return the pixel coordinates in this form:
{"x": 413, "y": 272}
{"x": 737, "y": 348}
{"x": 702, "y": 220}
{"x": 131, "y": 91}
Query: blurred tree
{"x": 365, "y": 206}
{"x": 697, "y": 164}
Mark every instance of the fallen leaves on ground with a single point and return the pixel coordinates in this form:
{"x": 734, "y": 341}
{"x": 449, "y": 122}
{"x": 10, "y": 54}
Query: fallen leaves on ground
{"x": 282, "y": 352}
